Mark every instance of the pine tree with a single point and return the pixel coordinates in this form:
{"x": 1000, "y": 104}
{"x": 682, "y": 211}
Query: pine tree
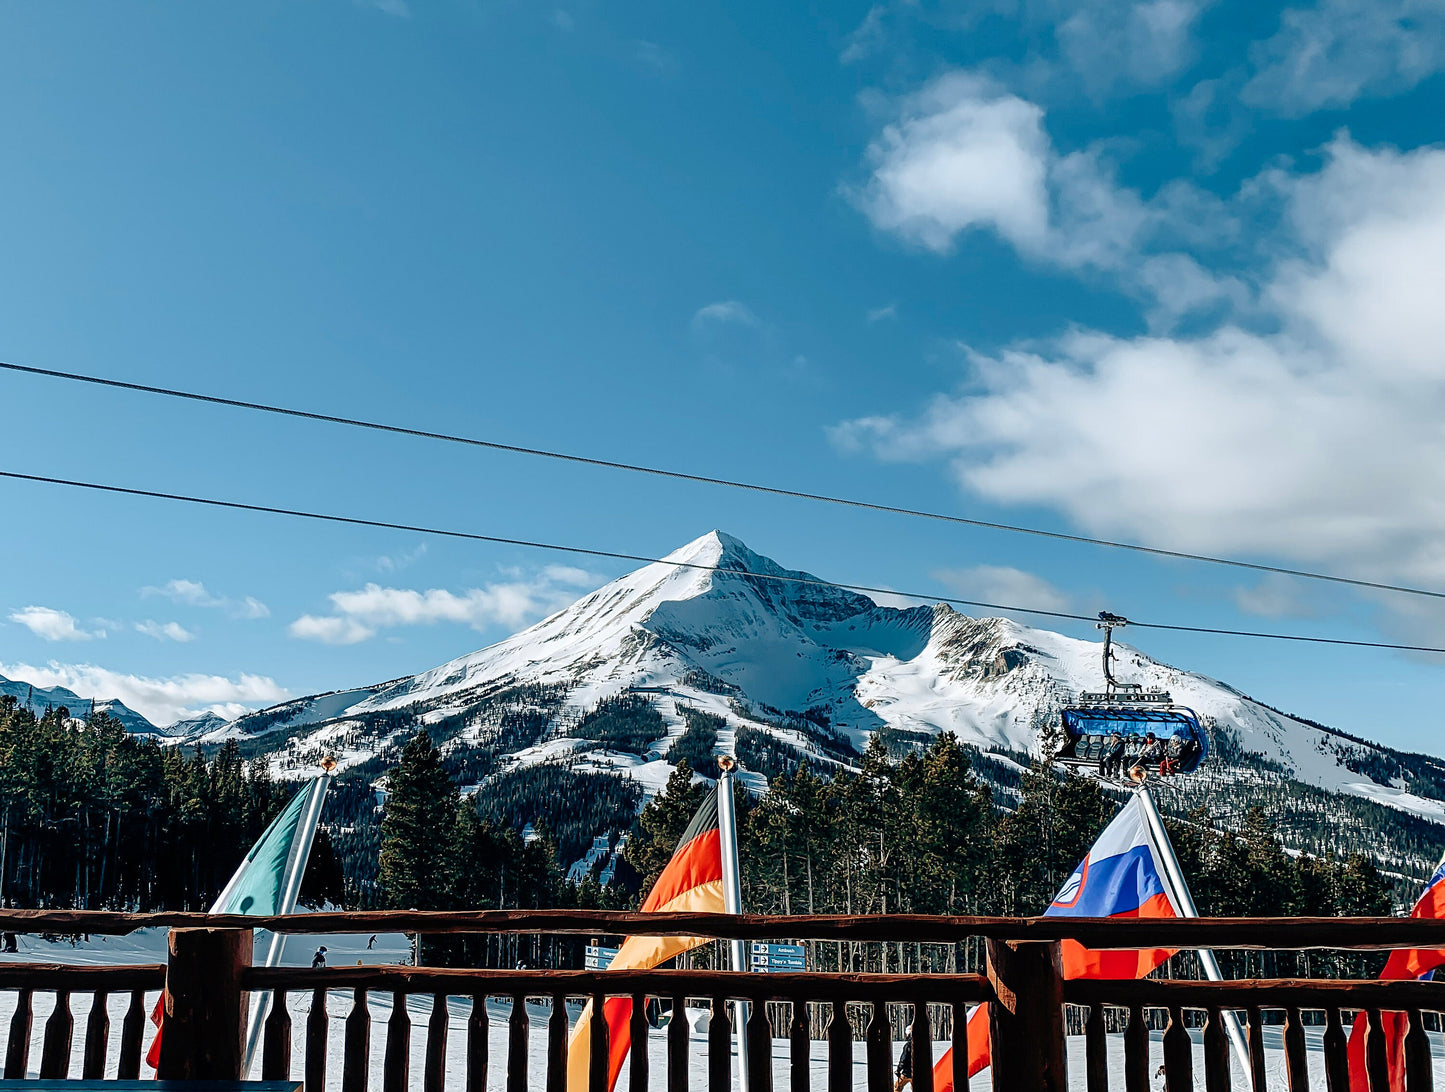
{"x": 418, "y": 846}
{"x": 662, "y": 823}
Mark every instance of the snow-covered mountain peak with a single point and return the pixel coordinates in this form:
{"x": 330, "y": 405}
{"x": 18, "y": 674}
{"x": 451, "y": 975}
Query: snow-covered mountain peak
{"x": 719, "y": 628}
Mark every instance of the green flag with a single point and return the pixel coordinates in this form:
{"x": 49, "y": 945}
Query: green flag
{"x": 268, "y": 879}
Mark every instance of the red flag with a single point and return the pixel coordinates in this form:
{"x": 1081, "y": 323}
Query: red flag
{"x": 153, "y": 1056}
{"x": 1403, "y": 963}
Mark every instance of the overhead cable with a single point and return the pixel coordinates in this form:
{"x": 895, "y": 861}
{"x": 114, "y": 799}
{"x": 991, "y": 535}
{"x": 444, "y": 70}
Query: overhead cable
{"x": 784, "y": 578}
{"x": 703, "y": 479}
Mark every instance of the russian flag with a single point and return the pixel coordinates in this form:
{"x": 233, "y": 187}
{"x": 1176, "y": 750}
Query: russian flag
{"x": 1120, "y": 877}
{"x": 1403, "y": 963}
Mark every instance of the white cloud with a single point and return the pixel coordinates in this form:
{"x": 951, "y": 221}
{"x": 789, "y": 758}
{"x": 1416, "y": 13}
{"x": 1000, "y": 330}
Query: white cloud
{"x": 390, "y": 563}
{"x": 963, "y": 153}
{"x": 359, "y": 614}
{"x": 165, "y": 631}
{"x": 53, "y": 625}
{"x": 866, "y": 37}
{"x": 330, "y": 631}
{"x": 1004, "y": 585}
{"x": 878, "y": 314}
{"x": 654, "y": 56}
{"x": 162, "y": 701}
{"x": 193, "y": 593}
{"x": 1275, "y": 596}
{"x": 399, "y": 8}
{"x": 1314, "y": 434}
{"x": 1340, "y": 50}
{"x": 1108, "y": 42}
{"x": 725, "y": 311}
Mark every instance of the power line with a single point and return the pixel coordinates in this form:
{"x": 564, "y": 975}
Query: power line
{"x": 472, "y": 536}
{"x": 703, "y": 479}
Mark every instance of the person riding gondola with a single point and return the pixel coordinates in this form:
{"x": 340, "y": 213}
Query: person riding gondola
{"x": 1152, "y": 751}
{"x": 1111, "y": 762}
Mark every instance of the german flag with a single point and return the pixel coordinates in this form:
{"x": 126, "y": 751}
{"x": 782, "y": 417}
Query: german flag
{"x": 692, "y": 880}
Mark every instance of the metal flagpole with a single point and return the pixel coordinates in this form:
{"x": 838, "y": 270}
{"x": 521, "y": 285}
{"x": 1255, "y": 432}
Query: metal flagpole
{"x": 727, "y": 824}
{"x": 1184, "y": 903}
{"x": 290, "y": 892}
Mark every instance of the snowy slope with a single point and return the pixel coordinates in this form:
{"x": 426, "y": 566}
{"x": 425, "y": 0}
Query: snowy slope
{"x": 750, "y": 648}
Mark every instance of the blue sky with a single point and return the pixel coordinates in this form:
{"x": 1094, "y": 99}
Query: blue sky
{"x": 1167, "y": 271}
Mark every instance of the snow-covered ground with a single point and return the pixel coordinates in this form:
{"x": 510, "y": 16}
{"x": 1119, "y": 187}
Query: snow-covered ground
{"x": 499, "y": 1013}
{"x": 390, "y": 948}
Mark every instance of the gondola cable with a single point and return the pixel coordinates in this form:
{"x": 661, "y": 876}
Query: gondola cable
{"x": 703, "y": 479}
{"x": 864, "y": 589}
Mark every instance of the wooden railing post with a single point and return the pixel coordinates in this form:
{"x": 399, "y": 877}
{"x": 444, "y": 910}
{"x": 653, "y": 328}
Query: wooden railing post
{"x": 204, "y": 1030}
{"x": 1026, "y": 1018}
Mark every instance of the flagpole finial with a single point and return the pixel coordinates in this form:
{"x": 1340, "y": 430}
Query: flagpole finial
{"x": 726, "y": 763}
{"x": 328, "y": 765}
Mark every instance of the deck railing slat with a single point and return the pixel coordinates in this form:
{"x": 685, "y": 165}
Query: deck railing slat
{"x": 1296, "y": 1061}
{"x": 1336, "y": 1053}
{"x": 759, "y": 1032}
{"x": 1136, "y": 1052}
{"x": 1419, "y": 1072}
{"x": 17, "y": 1049}
{"x": 97, "y": 1038}
{"x": 639, "y": 1061}
{"x": 800, "y": 1050}
{"x": 677, "y": 1037}
{"x": 598, "y": 1045}
{"x": 1096, "y": 1051}
{"x": 557, "y": 1045}
{"x": 922, "y": 1037}
{"x": 1178, "y": 1054}
{"x": 276, "y": 1047}
{"x": 478, "y": 1046}
{"x": 879, "y": 1036}
{"x": 1217, "y": 1074}
{"x": 518, "y": 1028}
{"x": 434, "y": 1075}
{"x": 840, "y": 1050}
{"x": 318, "y": 1025}
{"x": 1376, "y": 1066}
{"x": 396, "y": 1062}
{"x": 132, "y": 1038}
{"x": 356, "y": 1054}
{"x": 59, "y": 1029}
{"x": 1256, "y": 1050}
{"x": 719, "y": 1047}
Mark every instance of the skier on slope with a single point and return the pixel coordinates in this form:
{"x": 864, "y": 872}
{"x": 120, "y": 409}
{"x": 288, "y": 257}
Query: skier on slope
{"x": 905, "y": 1066}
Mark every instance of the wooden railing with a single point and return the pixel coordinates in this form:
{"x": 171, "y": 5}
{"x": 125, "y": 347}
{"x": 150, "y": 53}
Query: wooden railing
{"x": 209, "y": 974}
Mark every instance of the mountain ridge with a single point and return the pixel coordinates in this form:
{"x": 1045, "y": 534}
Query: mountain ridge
{"x": 713, "y": 617}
